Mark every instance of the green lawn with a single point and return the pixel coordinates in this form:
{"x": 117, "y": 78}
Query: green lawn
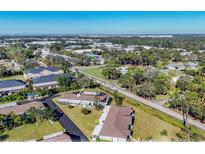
{"x": 16, "y": 77}
{"x": 147, "y": 126}
{"x": 97, "y": 72}
{"x": 30, "y": 131}
{"x": 86, "y": 123}
{"x": 149, "y": 122}
{"x": 94, "y": 70}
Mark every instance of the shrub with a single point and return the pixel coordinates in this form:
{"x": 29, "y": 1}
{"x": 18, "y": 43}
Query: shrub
{"x": 70, "y": 106}
{"x": 163, "y": 133}
{"x": 85, "y": 111}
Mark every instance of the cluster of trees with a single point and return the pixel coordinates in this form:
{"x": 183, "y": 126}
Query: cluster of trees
{"x": 57, "y": 61}
{"x": 74, "y": 82}
{"x": 33, "y": 115}
{"x": 5, "y": 72}
{"x": 146, "y": 83}
{"x": 18, "y": 96}
{"x": 111, "y": 71}
{"x": 188, "y": 42}
{"x": 23, "y": 94}
{"x": 190, "y": 97}
{"x": 152, "y": 57}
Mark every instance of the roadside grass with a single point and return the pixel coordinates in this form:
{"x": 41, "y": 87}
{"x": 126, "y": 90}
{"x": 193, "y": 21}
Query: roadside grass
{"x": 86, "y": 123}
{"x": 97, "y": 72}
{"x": 149, "y": 127}
{"x": 150, "y": 122}
{"x": 16, "y": 77}
{"x": 30, "y": 131}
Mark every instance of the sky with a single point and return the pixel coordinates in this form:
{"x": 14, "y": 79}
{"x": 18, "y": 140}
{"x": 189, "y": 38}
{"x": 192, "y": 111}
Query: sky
{"x": 102, "y": 22}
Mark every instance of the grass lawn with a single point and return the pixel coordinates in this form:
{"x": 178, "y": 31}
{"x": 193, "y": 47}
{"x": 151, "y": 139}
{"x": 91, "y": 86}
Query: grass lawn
{"x": 16, "y": 77}
{"x": 30, "y": 131}
{"x": 86, "y": 123}
{"x": 150, "y": 123}
{"x": 95, "y": 71}
{"x": 147, "y": 126}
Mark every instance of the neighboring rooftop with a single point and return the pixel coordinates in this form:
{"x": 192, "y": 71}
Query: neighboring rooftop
{"x": 41, "y": 69}
{"x": 48, "y": 78}
{"x": 11, "y": 83}
{"x": 58, "y": 138}
{"x": 117, "y": 122}
{"x": 19, "y": 109}
{"x": 86, "y": 96}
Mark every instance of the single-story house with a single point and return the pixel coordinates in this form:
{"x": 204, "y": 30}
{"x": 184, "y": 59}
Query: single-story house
{"x": 46, "y": 82}
{"x": 42, "y": 71}
{"x": 177, "y": 66}
{"x": 191, "y": 65}
{"x": 123, "y": 69}
{"x": 20, "y": 109}
{"x": 84, "y": 99}
{"x": 115, "y": 124}
{"x": 8, "y": 87}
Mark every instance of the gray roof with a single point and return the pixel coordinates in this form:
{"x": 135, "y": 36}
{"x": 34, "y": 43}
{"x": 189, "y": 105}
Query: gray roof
{"x": 48, "y": 78}
{"x": 41, "y": 69}
{"x": 11, "y": 83}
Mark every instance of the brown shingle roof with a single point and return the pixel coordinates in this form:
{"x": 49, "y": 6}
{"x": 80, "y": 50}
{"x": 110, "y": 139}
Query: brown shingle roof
{"x": 117, "y": 122}
{"x": 74, "y": 96}
{"x": 18, "y": 109}
{"x": 59, "y": 138}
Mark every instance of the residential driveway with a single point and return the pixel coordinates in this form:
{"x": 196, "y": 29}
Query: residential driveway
{"x": 75, "y": 133}
{"x": 145, "y": 101}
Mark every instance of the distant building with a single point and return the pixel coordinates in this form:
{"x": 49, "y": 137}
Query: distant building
{"x": 123, "y": 69}
{"x": 10, "y": 64}
{"x": 84, "y": 99}
{"x": 8, "y": 87}
{"x": 115, "y": 124}
{"x": 191, "y": 65}
{"x": 46, "y": 82}
{"x": 99, "y": 59}
{"x": 175, "y": 66}
{"x": 42, "y": 71}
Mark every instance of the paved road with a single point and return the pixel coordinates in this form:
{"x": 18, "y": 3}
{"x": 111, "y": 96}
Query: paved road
{"x": 75, "y": 133}
{"x": 145, "y": 102}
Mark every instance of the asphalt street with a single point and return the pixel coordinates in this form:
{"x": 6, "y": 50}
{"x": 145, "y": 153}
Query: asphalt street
{"x": 75, "y": 133}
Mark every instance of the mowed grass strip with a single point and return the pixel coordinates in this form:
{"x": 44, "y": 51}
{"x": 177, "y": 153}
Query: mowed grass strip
{"x": 95, "y": 71}
{"x": 31, "y": 131}
{"x": 86, "y": 123}
{"x": 147, "y": 126}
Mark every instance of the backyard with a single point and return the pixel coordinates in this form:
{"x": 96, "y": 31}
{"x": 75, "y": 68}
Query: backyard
{"x": 86, "y": 123}
{"x": 31, "y": 131}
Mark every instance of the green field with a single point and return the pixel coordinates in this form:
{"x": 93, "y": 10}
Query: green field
{"x": 95, "y": 71}
{"x": 16, "y": 77}
{"x": 30, "y": 131}
{"x": 86, "y": 123}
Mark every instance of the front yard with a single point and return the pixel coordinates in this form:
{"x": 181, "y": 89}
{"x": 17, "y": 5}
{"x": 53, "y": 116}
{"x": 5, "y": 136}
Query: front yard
{"x": 86, "y": 123}
{"x": 30, "y": 131}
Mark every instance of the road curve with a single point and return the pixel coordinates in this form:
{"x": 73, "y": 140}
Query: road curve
{"x": 75, "y": 133}
{"x": 145, "y": 101}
